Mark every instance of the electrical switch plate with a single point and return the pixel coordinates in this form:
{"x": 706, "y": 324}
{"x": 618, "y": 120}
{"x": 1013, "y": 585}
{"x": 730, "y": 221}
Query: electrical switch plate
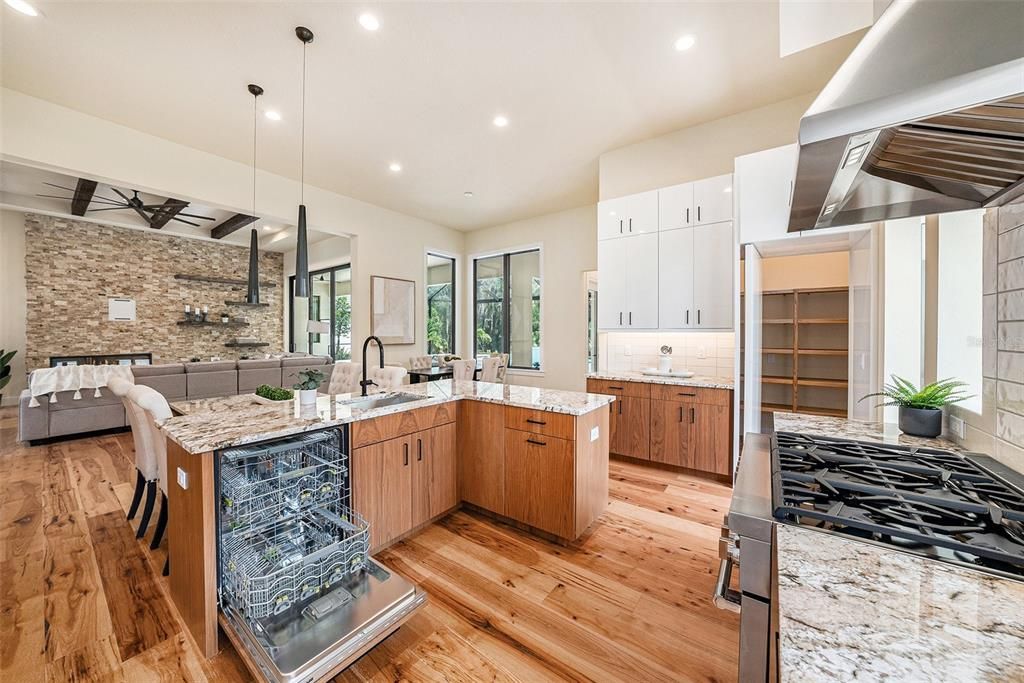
{"x": 183, "y": 479}
{"x": 595, "y": 433}
{"x": 702, "y": 352}
{"x": 957, "y": 426}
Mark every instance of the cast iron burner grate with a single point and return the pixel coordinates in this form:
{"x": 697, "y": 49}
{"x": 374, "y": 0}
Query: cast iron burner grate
{"x": 927, "y": 500}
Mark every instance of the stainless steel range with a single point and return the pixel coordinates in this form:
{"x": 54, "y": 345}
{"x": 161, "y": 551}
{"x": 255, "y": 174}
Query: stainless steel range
{"x": 965, "y": 509}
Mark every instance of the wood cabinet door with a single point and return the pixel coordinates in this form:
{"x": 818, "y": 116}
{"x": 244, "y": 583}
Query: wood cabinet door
{"x": 481, "y": 455}
{"x": 712, "y": 198}
{"x": 539, "y": 488}
{"x": 714, "y": 254}
{"x": 612, "y": 261}
{"x": 434, "y": 484}
{"x": 671, "y": 433}
{"x": 641, "y": 281}
{"x": 675, "y": 280}
{"x": 631, "y": 427}
{"x": 711, "y": 436}
{"x": 382, "y": 488}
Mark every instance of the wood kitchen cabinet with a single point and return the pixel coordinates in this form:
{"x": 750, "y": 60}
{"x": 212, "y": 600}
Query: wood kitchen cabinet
{"x": 539, "y": 481}
{"x": 630, "y": 416}
{"x": 382, "y": 488}
{"x": 435, "y": 488}
{"x": 671, "y": 433}
{"x": 481, "y": 455}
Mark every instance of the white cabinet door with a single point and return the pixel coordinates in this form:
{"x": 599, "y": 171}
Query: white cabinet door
{"x": 764, "y": 193}
{"x": 712, "y": 275}
{"x": 675, "y": 207}
{"x": 611, "y": 284}
{"x": 611, "y": 218}
{"x": 642, "y": 213}
{"x": 712, "y": 199}
{"x": 675, "y": 280}
{"x": 642, "y": 281}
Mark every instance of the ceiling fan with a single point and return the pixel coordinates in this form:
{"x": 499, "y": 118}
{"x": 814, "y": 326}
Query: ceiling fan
{"x": 156, "y": 215}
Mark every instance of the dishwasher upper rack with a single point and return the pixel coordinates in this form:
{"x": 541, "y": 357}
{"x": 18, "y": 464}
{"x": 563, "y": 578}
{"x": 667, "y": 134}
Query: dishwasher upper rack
{"x": 262, "y": 485}
{"x": 291, "y": 562}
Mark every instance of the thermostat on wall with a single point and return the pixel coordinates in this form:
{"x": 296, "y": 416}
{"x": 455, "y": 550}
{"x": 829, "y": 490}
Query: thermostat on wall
{"x": 121, "y": 310}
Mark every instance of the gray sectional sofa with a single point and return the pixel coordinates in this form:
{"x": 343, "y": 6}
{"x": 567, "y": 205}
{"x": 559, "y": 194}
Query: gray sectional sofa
{"x": 176, "y": 381}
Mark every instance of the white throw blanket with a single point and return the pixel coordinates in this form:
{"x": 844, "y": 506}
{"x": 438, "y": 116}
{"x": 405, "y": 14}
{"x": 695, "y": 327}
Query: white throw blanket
{"x": 74, "y": 378}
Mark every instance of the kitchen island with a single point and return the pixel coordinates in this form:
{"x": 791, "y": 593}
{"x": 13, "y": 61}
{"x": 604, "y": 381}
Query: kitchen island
{"x": 856, "y": 610}
{"x": 533, "y": 457}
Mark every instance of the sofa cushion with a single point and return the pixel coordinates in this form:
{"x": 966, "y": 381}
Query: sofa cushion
{"x": 304, "y": 361}
{"x": 90, "y": 418}
{"x": 157, "y": 370}
{"x": 33, "y": 423}
{"x": 259, "y": 363}
{"x": 210, "y": 366}
{"x": 211, "y": 383}
{"x": 172, "y": 386}
{"x": 66, "y": 400}
{"x": 252, "y": 373}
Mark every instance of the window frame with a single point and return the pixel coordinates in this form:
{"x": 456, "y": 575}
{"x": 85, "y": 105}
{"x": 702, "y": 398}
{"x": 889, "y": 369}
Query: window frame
{"x": 330, "y": 272}
{"x": 506, "y": 314}
{"x": 453, "y": 326}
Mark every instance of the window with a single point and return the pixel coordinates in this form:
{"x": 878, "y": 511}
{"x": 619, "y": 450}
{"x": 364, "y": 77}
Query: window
{"x": 506, "y": 307}
{"x": 440, "y": 311}
{"x": 330, "y": 304}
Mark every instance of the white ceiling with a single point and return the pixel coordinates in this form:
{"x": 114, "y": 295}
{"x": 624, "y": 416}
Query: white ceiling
{"x": 575, "y": 80}
{"x": 21, "y": 187}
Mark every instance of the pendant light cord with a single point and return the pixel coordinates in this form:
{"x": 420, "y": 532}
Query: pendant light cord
{"x": 302, "y": 133}
{"x": 255, "y": 119}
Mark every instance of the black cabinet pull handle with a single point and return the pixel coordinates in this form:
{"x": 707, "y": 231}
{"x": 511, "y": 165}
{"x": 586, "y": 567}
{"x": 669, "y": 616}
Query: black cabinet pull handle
{"x": 419, "y": 443}
{"x": 620, "y": 407}
{"x": 680, "y": 413}
{"x": 620, "y": 226}
{"x": 687, "y": 214}
{"x": 611, "y": 387}
{"x": 620, "y": 317}
{"x": 687, "y": 316}
{"x": 631, "y": 317}
{"x": 536, "y": 443}
{"x": 535, "y": 422}
{"x": 698, "y": 316}
{"x": 698, "y": 212}
{"x": 405, "y": 455}
{"x": 693, "y": 414}
{"x": 683, "y": 393}
{"x": 631, "y": 225}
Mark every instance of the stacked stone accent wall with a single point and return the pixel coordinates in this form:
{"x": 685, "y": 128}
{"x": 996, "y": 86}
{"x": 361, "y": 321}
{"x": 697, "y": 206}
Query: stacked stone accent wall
{"x": 73, "y": 267}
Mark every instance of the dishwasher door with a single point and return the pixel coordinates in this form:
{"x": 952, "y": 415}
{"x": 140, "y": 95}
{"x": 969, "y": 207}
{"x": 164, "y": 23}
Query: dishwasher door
{"x": 301, "y": 647}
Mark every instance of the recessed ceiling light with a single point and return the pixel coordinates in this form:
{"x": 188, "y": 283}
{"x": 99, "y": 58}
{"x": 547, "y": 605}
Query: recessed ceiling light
{"x": 467, "y": 195}
{"x": 685, "y": 42}
{"x": 23, "y": 7}
{"x": 368, "y": 21}
{"x": 272, "y": 115}
{"x": 394, "y": 167}
{"x": 500, "y": 121}
{"x": 268, "y": 228}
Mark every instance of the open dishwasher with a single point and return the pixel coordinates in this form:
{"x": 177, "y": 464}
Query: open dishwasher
{"x": 296, "y": 586}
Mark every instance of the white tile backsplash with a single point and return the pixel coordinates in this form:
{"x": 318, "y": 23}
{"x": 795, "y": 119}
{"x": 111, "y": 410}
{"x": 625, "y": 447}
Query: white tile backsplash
{"x": 705, "y": 353}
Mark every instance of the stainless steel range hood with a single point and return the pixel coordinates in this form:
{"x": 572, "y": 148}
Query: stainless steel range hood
{"x": 925, "y": 116}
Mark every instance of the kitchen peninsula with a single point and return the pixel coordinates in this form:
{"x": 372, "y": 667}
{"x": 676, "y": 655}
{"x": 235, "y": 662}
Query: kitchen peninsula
{"x": 533, "y": 457}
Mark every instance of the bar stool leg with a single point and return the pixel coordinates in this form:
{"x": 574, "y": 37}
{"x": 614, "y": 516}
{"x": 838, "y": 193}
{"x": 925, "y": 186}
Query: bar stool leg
{"x": 161, "y": 524}
{"x": 147, "y": 511}
{"x": 140, "y": 486}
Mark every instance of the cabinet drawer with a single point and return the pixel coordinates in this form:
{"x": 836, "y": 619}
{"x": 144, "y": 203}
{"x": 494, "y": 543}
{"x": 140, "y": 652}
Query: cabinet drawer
{"x": 671, "y": 392}
{"x": 558, "y": 425}
{"x": 617, "y": 388}
{"x": 374, "y": 430}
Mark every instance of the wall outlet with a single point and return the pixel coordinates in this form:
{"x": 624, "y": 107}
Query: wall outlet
{"x": 627, "y": 350}
{"x": 595, "y": 433}
{"x": 958, "y": 427}
{"x": 702, "y": 352}
{"x": 183, "y": 479}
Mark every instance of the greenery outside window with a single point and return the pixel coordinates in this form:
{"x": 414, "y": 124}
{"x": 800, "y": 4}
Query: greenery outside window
{"x": 506, "y": 307}
{"x": 330, "y": 301}
{"x": 440, "y": 304}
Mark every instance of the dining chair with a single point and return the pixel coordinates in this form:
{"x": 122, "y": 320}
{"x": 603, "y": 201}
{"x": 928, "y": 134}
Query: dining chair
{"x": 146, "y": 472}
{"x": 345, "y": 378}
{"x": 463, "y": 369}
{"x": 420, "y": 362}
{"x": 503, "y": 368}
{"x": 490, "y": 368}
{"x": 387, "y": 378}
{"x": 156, "y": 409}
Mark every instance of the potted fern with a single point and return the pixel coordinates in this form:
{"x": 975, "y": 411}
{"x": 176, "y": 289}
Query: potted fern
{"x": 921, "y": 409}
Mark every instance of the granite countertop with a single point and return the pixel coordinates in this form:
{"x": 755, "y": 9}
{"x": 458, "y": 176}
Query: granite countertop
{"x": 854, "y": 611}
{"x": 212, "y": 423}
{"x": 842, "y": 428}
{"x": 695, "y": 381}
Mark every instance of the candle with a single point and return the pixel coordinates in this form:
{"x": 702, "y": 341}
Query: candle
{"x": 188, "y": 309}
{"x": 206, "y": 309}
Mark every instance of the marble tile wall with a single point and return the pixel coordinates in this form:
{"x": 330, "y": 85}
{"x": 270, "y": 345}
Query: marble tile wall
{"x": 73, "y": 267}
{"x": 999, "y": 430}
{"x": 706, "y": 353}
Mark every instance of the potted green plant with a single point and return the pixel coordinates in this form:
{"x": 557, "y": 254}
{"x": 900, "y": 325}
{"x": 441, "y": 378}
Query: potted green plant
{"x": 5, "y": 370}
{"x": 921, "y": 409}
{"x": 309, "y": 382}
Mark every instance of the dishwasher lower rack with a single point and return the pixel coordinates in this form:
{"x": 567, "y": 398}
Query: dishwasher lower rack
{"x": 266, "y": 572}
{"x": 262, "y": 485}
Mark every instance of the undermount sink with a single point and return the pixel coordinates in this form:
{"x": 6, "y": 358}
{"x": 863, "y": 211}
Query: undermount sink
{"x": 371, "y": 402}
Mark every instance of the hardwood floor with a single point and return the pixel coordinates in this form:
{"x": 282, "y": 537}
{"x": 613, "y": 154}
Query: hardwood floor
{"x": 81, "y": 599}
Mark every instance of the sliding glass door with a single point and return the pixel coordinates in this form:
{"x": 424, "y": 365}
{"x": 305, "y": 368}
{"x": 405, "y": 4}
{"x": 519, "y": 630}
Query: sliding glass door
{"x": 322, "y": 324}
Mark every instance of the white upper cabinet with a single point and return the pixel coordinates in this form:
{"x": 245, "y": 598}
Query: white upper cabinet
{"x": 612, "y": 261}
{"x": 628, "y": 283}
{"x": 712, "y": 199}
{"x": 675, "y": 275}
{"x": 632, "y": 215}
{"x": 764, "y": 193}
{"x": 712, "y": 276}
{"x": 675, "y": 207}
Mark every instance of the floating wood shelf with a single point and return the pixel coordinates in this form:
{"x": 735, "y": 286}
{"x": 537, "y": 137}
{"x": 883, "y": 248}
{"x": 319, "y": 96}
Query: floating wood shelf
{"x": 783, "y": 352}
{"x": 246, "y": 344}
{"x": 822, "y": 352}
{"x": 816, "y": 382}
{"x": 777, "y": 321}
{"x": 775, "y": 379}
{"x": 772, "y": 407}
{"x": 212, "y": 323}
{"x": 220, "y": 280}
{"x": 824, "y": 321}
{"x": 244, "y": 303}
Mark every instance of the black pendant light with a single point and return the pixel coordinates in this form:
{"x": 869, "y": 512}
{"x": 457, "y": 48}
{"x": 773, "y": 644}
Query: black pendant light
{"x": 253, "y": 294}
{"x": 301, "y": 246}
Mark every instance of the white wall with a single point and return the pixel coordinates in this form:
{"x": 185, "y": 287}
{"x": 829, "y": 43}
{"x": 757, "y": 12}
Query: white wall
{"x": 385, "y": 242}
{"x": 12, "y": 298}
{"x": 568, "y": 240}
{"x": 959, "y": 338}
{"x": 700, "y": 151}
{"x": 904, "y": 303}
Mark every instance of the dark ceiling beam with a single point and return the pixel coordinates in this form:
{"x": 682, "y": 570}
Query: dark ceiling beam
{"x": 83, "y": 195}
{"x": 236, "y": 222}
{"x": 163, "y": 215}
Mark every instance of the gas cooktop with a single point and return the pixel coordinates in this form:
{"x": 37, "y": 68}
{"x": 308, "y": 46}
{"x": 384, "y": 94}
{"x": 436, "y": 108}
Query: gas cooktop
{"x": 965, "y": 509}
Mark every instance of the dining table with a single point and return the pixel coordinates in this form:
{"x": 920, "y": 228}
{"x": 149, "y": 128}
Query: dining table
{"x": 417, "y": 375}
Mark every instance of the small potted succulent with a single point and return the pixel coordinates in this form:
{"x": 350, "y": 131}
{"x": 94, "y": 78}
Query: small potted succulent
{"x": 309, "y": 382}
{"x": 921, "y": 409}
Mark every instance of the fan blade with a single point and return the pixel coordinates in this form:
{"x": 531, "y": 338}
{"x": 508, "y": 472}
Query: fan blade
{"x": 120, "y": 194}
{"x": 182, "y": 220}
{"x": 195, "y": 215}
{"x": 146, "y": 216}
{"x": 59, "y": 187}
{"x": 112, "y": 208}
{"x": 53, "y": 196}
